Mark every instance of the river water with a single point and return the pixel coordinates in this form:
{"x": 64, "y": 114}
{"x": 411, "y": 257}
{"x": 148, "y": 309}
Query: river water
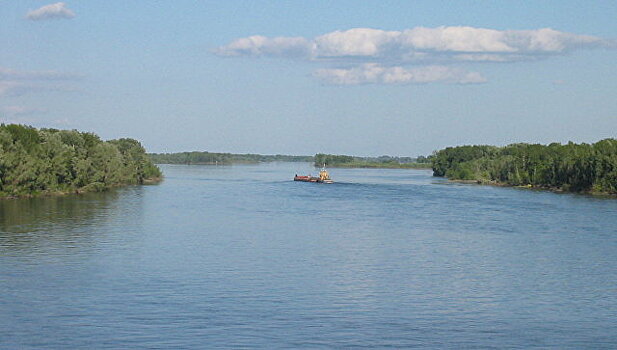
{"x": 243, "y": 257}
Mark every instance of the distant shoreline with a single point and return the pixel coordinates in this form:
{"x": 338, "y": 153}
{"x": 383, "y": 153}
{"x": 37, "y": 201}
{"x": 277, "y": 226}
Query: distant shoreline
{"x": 380, "y": 166}
{"x": 424, "y": 166}
{"x": 319, "y": 160}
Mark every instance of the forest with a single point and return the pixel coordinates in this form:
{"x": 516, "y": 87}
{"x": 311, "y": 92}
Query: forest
{"x": 344, "y": 161}
{"x": 590, "y": 168}
{"x": 49, "y": 161}
{"x": 209, "y": 158}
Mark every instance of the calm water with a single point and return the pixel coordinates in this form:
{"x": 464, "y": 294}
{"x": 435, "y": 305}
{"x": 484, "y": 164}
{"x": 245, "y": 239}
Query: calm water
{"x": 242, "y": 257}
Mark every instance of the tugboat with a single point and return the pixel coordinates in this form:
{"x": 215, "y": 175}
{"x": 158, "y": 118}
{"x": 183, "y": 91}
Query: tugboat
{"x": 324, "y": 177}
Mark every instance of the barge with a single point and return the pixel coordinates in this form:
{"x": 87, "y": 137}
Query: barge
{"x": 323, "y": 177}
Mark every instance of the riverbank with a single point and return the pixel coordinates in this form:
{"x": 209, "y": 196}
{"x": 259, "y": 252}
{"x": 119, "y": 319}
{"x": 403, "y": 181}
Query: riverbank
{"x": 91, "y": 188}
{"x": 577, "y": 168}
{"x": 535, "y": 188}
{"x": 50, "y": 162}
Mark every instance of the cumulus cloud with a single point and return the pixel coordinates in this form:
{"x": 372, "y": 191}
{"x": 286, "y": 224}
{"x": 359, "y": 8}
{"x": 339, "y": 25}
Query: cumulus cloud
{"x": 52, "y": 11}
{"x": 380, "y": 55}
{"x": 372, "y": 73}
{"x": 258, "y": 45}
{"x": 16, "y": 83}
{"x": 357, "y": 42}
{"x": 417, "y": 44}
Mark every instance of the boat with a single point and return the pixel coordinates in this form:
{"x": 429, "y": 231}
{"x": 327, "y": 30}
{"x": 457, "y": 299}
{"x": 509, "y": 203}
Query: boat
{"x": 323, "y": 177}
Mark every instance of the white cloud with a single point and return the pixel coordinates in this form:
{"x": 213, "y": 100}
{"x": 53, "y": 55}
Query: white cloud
{"x": 52, "y": 11}
{"x": 417, "y": 44}
{"x": 454, "y": 39}
{"x": 372, "y": 73}
{"x": 380, "y": 55}
{"x": 262, "y": 46}
{"x": 358, "y": 42}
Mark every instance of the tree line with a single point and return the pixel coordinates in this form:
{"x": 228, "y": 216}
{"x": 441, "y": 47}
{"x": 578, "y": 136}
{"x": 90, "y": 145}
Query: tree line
{"x": 344, "y": 161}
{"x": 34, "y": 161}
{"x": 211, "y": 158}
{"x": 570, "y": 167}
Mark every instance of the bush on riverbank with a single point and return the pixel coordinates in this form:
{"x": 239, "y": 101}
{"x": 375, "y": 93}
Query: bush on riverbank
{"x": 41, "y": 161}
{"x": 570, "y": 167}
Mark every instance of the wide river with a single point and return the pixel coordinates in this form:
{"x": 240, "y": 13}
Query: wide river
{"x": 243, "y": 257}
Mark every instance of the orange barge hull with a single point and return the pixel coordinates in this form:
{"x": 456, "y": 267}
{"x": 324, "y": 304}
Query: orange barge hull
{"x": 306, "y": 178}
{"x": 312, "y": 179}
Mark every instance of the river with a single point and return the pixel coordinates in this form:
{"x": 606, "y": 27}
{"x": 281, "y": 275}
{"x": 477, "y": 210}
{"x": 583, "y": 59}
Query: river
{"x": 242, "y": 257}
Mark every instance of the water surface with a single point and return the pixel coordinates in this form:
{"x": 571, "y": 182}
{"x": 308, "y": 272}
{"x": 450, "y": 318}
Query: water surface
{"x": 242, "y": 257}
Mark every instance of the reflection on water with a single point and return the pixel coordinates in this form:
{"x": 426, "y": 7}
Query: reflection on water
{"x": 62, "y": 222}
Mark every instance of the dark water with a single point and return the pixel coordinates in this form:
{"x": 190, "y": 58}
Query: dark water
{"x": 241, "y": 257}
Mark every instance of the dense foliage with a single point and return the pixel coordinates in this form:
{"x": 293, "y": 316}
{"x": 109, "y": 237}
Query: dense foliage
{"x": 221, "y": 158}
{"x": 343, "y": 161}
{"x": 190, "y": 158}
{"x": 571, "y": 167}
{"x": 48, "y": 160}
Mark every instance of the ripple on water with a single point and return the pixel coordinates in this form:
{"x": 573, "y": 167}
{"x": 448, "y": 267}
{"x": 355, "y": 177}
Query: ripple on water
{"x": 243, "y": 257}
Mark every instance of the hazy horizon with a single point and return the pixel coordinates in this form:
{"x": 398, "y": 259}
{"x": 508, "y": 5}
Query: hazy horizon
{"x": 300, "y": 78}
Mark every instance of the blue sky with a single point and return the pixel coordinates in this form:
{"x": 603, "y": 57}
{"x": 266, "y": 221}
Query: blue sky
{"x": 301, "y": 77}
